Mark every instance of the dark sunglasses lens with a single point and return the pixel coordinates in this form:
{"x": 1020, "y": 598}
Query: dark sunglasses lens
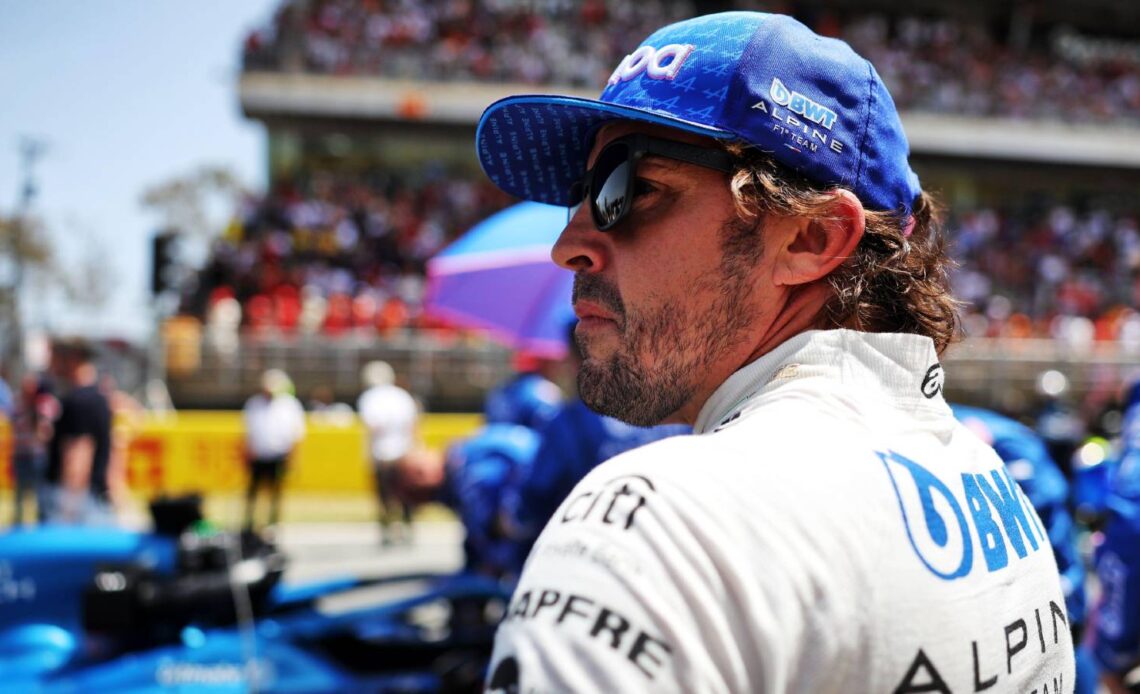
{"x": 611, "y": 185}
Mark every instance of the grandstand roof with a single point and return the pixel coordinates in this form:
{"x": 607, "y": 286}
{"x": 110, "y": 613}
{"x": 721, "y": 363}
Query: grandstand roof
{"x": 271, "y": 95}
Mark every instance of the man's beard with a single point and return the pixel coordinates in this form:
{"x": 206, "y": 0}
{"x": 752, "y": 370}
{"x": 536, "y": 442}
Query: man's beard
{"x": 664, "y": 352}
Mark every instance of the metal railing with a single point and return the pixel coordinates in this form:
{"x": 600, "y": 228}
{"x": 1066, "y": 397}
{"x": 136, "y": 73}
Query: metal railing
{"x": 446, "y": 373}
{"x": 451, "y": 373}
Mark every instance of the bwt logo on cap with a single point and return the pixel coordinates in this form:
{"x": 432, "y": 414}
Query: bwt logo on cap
{"x": 657, "y": 64}
{"x": 798, "y": 103}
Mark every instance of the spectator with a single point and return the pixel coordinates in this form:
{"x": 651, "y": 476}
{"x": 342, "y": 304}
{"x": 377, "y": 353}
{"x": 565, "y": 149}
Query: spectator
{"x": 944, "y": 64}
{"x": 274, "y": 425}
{"x": 76, "y": 489}
{"x": 1063, "y": 269}
{"x": 36, "y": 410}
{"x": 390, "y": 415}
{"x": 345, "y": 258}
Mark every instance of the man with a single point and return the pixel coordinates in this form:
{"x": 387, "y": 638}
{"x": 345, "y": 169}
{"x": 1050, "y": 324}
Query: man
{"x": 75, "y": 489}
{"x": 274, "y": 424}
{"x": 390, "y": 415}
{"x": 36, "y": 411}
{"x": 754, "y": 256}
{"x": 1116, "y": 624}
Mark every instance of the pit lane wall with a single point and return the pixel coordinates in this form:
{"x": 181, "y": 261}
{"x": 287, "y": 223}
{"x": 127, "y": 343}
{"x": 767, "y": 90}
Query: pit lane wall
{"x": 203, "y": 451}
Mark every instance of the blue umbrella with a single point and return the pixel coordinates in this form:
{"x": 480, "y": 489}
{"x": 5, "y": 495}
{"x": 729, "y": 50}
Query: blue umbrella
{"x": 499, "y": 277}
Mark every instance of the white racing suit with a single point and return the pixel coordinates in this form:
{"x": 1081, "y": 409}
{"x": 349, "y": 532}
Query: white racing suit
{"x": 830, "y": 527}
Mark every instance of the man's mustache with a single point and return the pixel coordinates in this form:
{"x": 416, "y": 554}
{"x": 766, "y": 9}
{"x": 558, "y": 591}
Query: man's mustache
{"x": 599, "y": 291}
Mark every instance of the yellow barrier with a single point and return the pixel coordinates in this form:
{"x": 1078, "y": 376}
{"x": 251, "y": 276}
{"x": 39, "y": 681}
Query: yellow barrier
{"x": 202, "y": 451}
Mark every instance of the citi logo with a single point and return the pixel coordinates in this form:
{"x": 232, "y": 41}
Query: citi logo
{"x": 798, "y": 103}
{"x": 657, "y": 64}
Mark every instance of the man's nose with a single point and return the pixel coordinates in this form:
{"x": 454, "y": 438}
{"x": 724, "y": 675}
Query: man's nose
{"x": 580, "y": 246}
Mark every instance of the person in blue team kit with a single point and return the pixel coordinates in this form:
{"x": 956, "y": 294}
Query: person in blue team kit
{"x": 529, "y": 398}
{"x": 473, "y": 475}
{"x": 576, "y": 441}
{"x": 471, "y": 481}
{"x": 1115, "y": 634}
{"x": 1027, "y": 459}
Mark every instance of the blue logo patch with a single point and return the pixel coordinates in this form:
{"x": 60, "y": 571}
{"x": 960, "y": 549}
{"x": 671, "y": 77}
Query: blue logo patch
{"x": 945, "y": 524}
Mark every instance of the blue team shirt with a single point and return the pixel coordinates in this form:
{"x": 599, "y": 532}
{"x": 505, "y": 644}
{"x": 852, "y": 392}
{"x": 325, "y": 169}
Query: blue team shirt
{"x": 1027, "y": 459}
{"x": 528, "y": 399}
{"x": 1116, "y": 640}
{"x": 575, "y": 442}
{"x": 479, "y": 471}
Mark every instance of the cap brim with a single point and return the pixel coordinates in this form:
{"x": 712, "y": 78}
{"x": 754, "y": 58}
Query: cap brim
{"x": 536, "y": 146}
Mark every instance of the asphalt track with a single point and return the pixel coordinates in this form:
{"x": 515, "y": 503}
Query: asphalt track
{"x": 319, "y": 551}
{"x": 322, "y": 550}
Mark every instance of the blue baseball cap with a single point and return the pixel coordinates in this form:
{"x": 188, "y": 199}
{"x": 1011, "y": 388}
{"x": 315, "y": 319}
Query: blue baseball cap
{"x": 810, "y": 102}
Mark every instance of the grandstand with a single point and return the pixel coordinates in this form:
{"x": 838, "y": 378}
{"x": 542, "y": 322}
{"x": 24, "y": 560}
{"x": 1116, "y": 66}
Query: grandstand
{"x": 1025, "y": 117}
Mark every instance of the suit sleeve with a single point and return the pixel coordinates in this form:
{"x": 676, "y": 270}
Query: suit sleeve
{"x": 583, "y": 617}
{"x": 663, "y": 572}
{"x": 618, "y": 595}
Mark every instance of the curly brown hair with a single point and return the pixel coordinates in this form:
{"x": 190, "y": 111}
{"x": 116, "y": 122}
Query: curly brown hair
{"x": 894, "y": 282}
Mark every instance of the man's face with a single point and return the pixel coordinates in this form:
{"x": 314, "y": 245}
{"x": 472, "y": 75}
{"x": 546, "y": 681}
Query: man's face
{"x": 665, "y": 314}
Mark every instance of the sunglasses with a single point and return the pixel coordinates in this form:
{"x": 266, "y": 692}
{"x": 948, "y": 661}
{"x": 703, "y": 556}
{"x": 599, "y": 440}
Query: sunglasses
{"x": 609, "y": 185}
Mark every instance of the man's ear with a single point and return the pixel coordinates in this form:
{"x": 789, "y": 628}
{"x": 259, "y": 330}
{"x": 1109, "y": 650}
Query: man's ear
{"x": 814, "y": 246}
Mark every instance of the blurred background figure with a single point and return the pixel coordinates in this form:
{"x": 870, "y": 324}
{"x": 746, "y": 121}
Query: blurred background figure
{"x": 1115, "y": 636}
{"x": 390, "y": 415}
{"x": 274, "y": 424}
{"x": 478, "y": 472}
{"x": 575, "y": 441}
{"x": 75, "y": 489}
{"x": 471, "y": 479}
{"x": 7, "y": 399}
{"x": 323, "y": 407}
{"x": 126, "y": 419}
{"x": 8, "y": 403}
{"x": 1027, "y": 460}
{"x": 1058, "y": 423}
{"x": 531, "y": 397}
{"x": 36, "y": 410}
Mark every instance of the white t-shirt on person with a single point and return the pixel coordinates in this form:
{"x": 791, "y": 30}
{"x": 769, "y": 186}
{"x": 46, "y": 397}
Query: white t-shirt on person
{"x": 273, "y": 426}
{"x": 829, "y": 528}
{"x": 389, "y": 413}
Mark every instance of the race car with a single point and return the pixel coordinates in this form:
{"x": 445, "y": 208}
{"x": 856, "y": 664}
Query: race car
{"x": 190, "y": 609}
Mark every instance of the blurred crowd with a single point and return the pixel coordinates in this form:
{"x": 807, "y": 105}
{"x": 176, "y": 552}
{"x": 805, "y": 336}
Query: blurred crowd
{"x": 347, "y": 255}
{"x": 547, "y": 42}
{"x": 941, "y": 65}
{"x": 350, "y": 257}
{"x": 1052, "y": 272}
{"x": 947, "y": 66}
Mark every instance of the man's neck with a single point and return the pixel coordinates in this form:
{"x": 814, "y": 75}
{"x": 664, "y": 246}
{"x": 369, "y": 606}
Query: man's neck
{"x": 799, "y": 313}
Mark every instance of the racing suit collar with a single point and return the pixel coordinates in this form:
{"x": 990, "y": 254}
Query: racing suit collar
{"x": 904, "y": 366}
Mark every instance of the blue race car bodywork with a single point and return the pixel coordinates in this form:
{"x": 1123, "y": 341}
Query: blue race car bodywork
{"x": 113, "y": 610}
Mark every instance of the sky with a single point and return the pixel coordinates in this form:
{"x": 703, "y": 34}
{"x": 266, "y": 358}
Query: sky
{"x": 125, "y": 94}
